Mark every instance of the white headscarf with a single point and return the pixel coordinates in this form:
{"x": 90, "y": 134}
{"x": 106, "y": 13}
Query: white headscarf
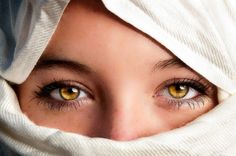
{"x": 199, "y": 32}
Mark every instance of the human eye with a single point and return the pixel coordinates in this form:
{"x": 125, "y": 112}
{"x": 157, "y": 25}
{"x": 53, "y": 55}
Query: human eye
{"x": 64, "y": 94}
{"x": 179, "y": 93}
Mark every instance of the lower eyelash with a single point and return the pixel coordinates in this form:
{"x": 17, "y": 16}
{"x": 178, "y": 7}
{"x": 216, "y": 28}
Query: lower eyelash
{"x": 192, "y": 103}
{"x": 61, "y": 105}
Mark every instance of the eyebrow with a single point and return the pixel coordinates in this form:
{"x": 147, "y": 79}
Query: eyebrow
{"x": 47, "y": 63}
{"x": 74, "y": 66}
{"x": 169, "y": 63}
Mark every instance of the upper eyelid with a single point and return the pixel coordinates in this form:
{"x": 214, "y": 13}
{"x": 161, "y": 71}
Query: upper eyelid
{"x": 71, "y": 83}
{"x": 68, "y": 83}
{"x": 172, "y": 81}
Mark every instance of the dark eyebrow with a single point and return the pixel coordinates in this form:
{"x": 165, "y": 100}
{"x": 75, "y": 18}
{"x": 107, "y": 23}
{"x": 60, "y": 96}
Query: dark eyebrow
{"x": 47, "y": 63}
{"x": 169, "y": 63}
{"x": 50, "y": 62}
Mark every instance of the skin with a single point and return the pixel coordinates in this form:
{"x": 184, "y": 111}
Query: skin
{"x": 126, "y": 71}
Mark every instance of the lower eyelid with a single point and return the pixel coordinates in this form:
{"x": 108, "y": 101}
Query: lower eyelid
{"x": 58, "y": 105}
{"x": 191, "y": 103}
{"x": 196, "y": 102}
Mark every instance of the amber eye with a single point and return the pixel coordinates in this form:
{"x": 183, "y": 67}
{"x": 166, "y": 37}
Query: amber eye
{"x": 178, "y": 91}
{"x": 69, "y": 93}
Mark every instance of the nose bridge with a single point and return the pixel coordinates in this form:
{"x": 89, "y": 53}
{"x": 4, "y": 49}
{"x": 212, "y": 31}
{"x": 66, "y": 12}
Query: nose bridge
{"x": 123, "y": 116}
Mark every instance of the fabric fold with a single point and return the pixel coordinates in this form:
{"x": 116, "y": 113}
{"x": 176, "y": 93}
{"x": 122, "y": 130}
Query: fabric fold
{"x": 200, "y": 33}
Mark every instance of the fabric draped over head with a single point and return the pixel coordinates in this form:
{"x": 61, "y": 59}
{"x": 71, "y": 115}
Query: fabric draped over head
{"x": 201, "y": 33}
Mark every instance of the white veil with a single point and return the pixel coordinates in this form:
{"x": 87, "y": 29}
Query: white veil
{"x": 199, "y": 32}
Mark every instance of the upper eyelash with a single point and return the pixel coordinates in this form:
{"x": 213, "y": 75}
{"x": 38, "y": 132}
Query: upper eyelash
{"x": 198, "y": 84}
{"x": 44, "y": 92}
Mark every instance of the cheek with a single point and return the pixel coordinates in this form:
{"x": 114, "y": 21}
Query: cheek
{"x": 82, "y": 120}
{"x": 177, "y": 117}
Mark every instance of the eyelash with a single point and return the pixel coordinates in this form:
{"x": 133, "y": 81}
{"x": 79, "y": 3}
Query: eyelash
{"x": 199, "y": 85}
{"x": 45, "y": 91}
{"x": 202, "y": 87}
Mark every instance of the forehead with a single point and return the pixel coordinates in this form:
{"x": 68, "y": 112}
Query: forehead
{"x": 90, "y": 34}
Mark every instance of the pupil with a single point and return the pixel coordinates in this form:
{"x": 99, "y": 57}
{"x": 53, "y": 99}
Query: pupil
{"x": 71, "y": 90}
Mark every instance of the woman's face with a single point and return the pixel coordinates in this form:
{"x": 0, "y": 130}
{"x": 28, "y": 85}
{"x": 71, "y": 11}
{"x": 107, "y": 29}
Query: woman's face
{"x": 102, "y": 78}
